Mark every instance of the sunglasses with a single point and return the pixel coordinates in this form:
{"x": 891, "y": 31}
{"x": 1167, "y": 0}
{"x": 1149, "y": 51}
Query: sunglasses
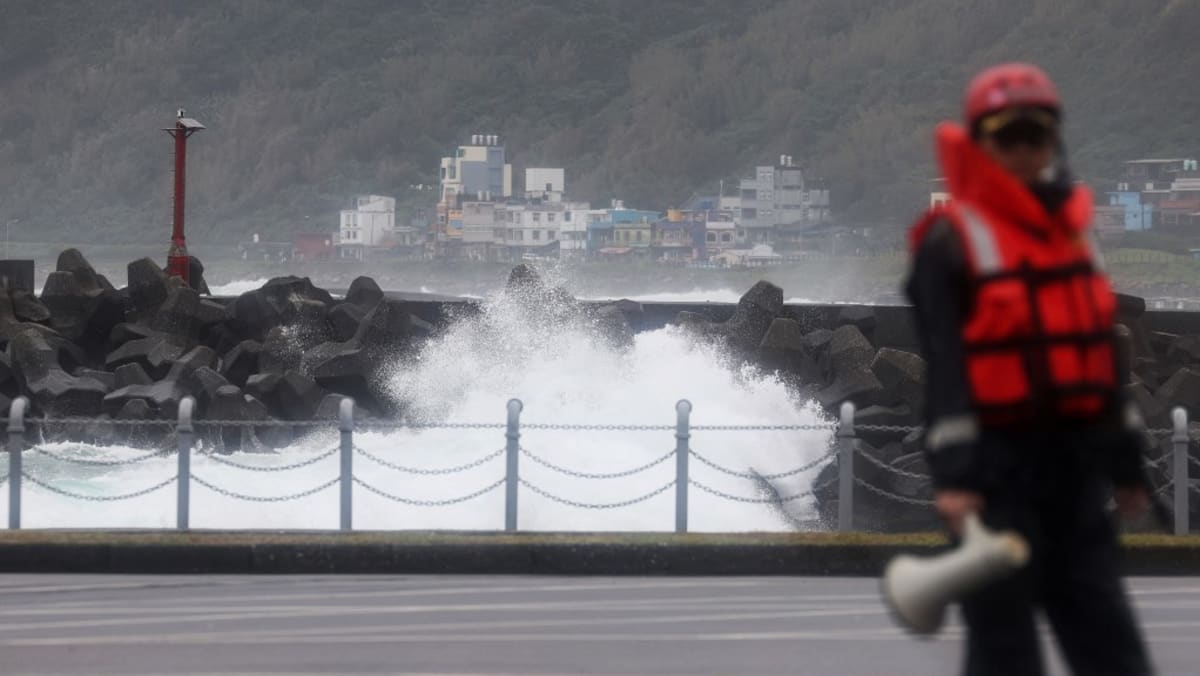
{"x": 1024, "y": 132}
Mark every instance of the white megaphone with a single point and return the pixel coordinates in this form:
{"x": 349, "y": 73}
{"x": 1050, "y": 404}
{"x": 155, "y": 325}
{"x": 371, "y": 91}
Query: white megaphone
{"x": 918, "y": 589}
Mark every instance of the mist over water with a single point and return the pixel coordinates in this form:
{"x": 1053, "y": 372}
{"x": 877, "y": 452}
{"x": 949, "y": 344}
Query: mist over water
{"x": 564, "y": 371}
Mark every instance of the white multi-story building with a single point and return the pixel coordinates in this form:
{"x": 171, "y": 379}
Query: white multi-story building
{"x": 534, "y": 224}
{"x": 372, "y": 222}
{"x": 573, "y": 232}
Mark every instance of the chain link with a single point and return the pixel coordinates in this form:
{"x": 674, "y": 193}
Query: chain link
{"x": 755, "y": 475}
{"x": 598, "y": 428}
{"x": 103, "y": 463}
{"x": 892, "y": 496}
{"x": 1192, "y": 460}
{"x": 590, "y": 475}
{"x": 429, "y": 472}
{"x": 888, "y": 468}
{"x": 1157, "y": 462}
{"x": 402, "y": 425}
{"x": 598, "y": 505}
{"x": 897, "y": 429}
{"x": 270, "y": 422}
{"x": 428, "y": 503}
{"x": 758, "y": 501}
{"x": 99, "y": 498}
{"x": 267, "y": 468}
{"x": 75, "y": 420}
{"x": 256, "y": 498}
{"x": 827, "y": 427}
{"x": 1160, "y": 432}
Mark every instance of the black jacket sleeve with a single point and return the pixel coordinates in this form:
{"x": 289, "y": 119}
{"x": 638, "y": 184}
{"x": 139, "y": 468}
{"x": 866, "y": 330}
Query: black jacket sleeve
{"x": 938, "y": 288}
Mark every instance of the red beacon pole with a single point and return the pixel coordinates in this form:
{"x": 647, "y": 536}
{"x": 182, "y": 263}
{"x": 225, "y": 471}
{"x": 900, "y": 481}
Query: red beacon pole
{"x": 177, "y": 255}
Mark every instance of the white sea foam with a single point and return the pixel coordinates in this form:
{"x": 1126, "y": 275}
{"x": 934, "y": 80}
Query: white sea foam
{"x": 563, "y": 370}
{"x": 237, "y": 287}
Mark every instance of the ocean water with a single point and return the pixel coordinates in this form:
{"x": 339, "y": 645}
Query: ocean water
{"x": 562, "y": 369}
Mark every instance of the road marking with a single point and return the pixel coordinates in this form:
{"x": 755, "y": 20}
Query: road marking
{"x": 351, "y": 611}
{"x": 168, "y": 614}
{"x": 238, "y": 639}
{"x": 427, "y": 591}
{"x": 505, "y": 623}
{"x": 856, "y": 635}
{"x": 139, "y": 607}
{"x": 1169, "y": 591}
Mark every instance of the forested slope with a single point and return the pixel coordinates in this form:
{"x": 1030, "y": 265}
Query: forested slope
{"x": 308, "y": 103}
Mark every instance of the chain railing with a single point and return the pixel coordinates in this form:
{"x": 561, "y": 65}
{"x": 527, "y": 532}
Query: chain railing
{"x": 579, "y": 474}
{"x": 769, "y": 500}
{"x": 842, "y": 483}
{"x": 1178, "y": 459}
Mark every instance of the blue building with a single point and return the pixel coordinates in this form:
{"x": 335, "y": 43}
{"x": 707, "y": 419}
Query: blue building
{"x": 1138, "y": 215}
{"x": 621, "y": 216}
{"x": 599, "y": 234}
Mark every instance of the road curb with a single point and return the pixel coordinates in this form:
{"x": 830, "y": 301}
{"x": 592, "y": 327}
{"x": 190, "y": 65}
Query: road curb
{"x": 549, "y": 554}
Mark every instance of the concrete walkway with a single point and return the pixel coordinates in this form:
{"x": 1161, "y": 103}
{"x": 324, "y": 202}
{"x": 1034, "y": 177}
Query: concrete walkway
{"x": 61, "y": 624}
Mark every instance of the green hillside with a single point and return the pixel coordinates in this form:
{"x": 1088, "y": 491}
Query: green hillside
{"x": 308, "y": 103}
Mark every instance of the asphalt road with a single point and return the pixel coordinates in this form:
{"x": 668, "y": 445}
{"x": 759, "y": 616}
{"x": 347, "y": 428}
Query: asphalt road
{"x": 85, "y": 624}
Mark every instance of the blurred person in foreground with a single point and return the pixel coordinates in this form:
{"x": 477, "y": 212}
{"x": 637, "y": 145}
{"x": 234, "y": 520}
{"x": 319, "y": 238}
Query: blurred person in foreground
{"x": 1024, "y": 415}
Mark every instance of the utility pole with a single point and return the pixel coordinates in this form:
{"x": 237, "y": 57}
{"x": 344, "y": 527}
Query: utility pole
{"x": 177, "y": 255}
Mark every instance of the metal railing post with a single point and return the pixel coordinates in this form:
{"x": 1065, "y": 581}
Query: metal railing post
{"x": 683, "y": 412}
{"x": 1179, "y": 473}
{"x": 346, "y": 476}
{"x": 185, "y": 435}
{"x": 512, "y": 453}
{"x": 16, "y": 443}
{"x": 846, "y": 439}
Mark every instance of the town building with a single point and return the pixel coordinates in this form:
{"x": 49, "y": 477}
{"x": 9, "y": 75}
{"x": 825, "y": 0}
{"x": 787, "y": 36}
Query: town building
{"x": 1109, "y": 221}
{"x": 775, "y": 206}
{"x": 1158, "y": 193}
{"x": 312, "y": 246}
{"x": 546, "y": 184}
{"x": 1155, "y": 176}
{"x": 476, "y": 227}
{"x": 680, "y": 236}
{"x": 573, "y": 232}
{"x": 779, "y": 195}
{"x": 720, "y": 235}
{"x": 371, "y": 223}
{"x": 477, "y": 171}
{"x": 623, "y": 232}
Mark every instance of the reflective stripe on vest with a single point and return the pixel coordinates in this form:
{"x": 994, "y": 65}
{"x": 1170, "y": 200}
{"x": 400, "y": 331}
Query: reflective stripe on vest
{"x": 981, "y": 241}
{"x": 952, "y": 431}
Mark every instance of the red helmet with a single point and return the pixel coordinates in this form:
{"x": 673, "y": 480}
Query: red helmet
{"x": 1009, "y": 85}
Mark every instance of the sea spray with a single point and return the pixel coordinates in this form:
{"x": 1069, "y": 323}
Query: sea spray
{"x": 566, "y": 372}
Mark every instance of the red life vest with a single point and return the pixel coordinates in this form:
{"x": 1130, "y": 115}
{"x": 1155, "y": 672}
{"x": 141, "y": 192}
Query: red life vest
{"x": 1039, "y": 340}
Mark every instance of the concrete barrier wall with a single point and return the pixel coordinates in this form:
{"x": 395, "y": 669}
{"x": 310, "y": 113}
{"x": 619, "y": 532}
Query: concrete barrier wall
{"x": 893, "y": 323}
